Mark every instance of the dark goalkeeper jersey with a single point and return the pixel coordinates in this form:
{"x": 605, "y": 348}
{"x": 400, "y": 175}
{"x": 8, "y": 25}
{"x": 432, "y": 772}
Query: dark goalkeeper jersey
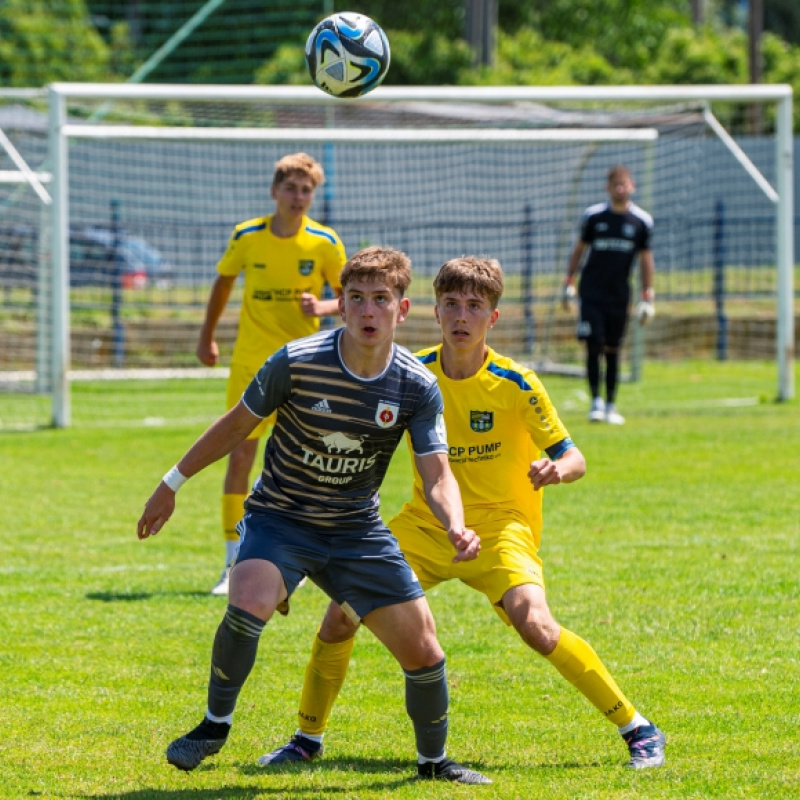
{"x": 335, "y": 433}
{"x": 614, "y": 240}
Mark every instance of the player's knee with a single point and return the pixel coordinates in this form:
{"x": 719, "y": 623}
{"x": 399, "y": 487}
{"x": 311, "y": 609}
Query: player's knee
{"x": 336, "y": 627}
{"x": 429, "y": 654}
{"x": 422, "y": 652}
{"x": 530, "y": 615}
{"x": 540, "y": 633}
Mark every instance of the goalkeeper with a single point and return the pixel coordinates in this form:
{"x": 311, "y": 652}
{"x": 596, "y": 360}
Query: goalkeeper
{"x": 612, "y": 233}
{"x": 489, "y": 401}
{"x": 286, "y": 258}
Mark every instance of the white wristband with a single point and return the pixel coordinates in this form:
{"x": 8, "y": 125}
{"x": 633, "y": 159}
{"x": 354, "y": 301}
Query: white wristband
{"x": 174, "y": 479}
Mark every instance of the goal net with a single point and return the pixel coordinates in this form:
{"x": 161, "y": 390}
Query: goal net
{"x": 113, "y": 227}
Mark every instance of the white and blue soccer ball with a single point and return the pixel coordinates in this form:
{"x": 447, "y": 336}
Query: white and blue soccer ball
{"x": 347, "y": 54}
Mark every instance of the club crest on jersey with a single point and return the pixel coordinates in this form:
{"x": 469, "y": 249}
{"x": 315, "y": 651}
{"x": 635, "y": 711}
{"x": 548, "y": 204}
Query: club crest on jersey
{"x": 305, "y": 267}
{"x": 481, "y": 421}
{"x": 386, "y": 414}
{"x": 628, "y": 231}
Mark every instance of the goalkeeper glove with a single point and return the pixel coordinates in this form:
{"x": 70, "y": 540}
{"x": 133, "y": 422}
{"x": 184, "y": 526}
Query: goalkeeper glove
{"x": 568, "y": 295}
{"x": 646, "y": 307}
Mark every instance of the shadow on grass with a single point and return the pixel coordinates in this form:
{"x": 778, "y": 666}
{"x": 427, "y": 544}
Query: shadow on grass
{"x": 334, "y": 772}
{"x": 404, "y": 767}
{"x": 219, "y": 793}
{"x": 129, "y": 597}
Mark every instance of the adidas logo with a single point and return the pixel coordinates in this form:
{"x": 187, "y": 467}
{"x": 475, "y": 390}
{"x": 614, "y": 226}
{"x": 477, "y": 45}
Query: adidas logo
{"x": 322, "y": 407}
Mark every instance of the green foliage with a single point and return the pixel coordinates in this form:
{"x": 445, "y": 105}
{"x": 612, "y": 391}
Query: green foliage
{"x": 444, "y": 17}
{"x": 689, "y": 56}
{"x": 781, "y": 62}
{"x": 563, "y": 43}
{"x": 624, "y": 32}
{"x": 426, "y": 58}
{"x": 418, "y": 59}
{"x": 286, "y": 67}
{"x": 123, "y": 60}
{"x": 527, "y": 59}
{"x": 38, "y": 46}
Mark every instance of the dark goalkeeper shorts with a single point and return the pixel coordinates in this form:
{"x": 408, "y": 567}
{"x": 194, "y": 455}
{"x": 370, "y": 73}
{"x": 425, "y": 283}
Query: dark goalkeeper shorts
{"x": 360, "y": 568}
{"x": 602, "y": 324}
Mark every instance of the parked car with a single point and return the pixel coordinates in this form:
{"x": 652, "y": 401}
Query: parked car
{"x": 93, "y": 258}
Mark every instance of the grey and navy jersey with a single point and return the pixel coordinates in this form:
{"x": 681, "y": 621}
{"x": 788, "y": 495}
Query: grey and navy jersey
{"x": 615, "y": 240}
{"x": 335, "y": 432}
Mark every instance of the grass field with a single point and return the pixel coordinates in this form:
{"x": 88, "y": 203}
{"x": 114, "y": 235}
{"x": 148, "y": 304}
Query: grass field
{"x": 676, "y": 557}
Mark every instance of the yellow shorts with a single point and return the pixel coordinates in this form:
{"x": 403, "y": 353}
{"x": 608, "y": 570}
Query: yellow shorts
{"x": 508, "y": 555}
{"x": 238, "y": 380}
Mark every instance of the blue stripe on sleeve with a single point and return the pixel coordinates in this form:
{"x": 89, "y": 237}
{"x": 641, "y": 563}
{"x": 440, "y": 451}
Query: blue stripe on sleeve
{"x": 509, "y": 374}
{"x": 250, "y": 229}
{"x": 318, "y": 232}
{"x": 428, "y": 358}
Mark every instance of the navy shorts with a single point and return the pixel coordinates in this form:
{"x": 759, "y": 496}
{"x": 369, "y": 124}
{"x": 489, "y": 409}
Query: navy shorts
{"x": 602, "y": 324}
{"x": 360, "y": 568}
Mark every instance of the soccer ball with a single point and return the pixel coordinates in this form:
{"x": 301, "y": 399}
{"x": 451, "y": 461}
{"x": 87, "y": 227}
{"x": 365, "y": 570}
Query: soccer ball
{"x": 347, "y": 54}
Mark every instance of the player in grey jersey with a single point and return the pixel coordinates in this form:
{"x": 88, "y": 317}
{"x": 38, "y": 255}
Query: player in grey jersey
{"x": 344, "y": 399}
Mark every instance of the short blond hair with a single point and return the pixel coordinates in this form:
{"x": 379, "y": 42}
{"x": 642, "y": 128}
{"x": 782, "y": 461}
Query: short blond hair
{"x": 483, "y": 276}
{"x": 373, "y": 264}
{"x": 301, "y": 163}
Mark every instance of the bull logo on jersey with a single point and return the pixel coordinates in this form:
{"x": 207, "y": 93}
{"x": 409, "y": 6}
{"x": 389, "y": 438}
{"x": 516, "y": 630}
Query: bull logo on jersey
{"x": 342, "y": 443}
{"x": 305, "y": 268}
{"x": 386, "y": 414}
{"x": 481, "y": 421}
{"x": 628, "y": 231}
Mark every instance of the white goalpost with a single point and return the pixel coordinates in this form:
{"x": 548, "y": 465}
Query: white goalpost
{"x": 437, "y": 172}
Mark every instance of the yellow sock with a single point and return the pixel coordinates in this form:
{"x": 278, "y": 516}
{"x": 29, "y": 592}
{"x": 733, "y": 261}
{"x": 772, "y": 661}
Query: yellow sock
{"x": 577, "y": 661}
{"x": 232, "y": 512}
{"x": 325, "y": 674}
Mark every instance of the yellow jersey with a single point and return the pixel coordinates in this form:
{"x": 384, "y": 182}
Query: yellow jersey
{"x": 276, "y": 273}
{"x": 498, "y": 421}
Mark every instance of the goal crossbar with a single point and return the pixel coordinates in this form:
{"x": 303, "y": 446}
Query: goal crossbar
{"x": 369, "y": 135}
{"x": 309, "y": 95}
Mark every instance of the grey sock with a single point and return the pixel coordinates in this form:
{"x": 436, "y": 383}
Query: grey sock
{"x": 235, "y": 648}
{"x": 427, "y": 700}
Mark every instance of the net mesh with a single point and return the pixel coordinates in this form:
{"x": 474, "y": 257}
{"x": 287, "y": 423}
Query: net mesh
{"x": 149, "y": 218}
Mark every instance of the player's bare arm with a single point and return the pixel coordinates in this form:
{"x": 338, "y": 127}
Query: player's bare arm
{"x": 312, "y": 306}
{"x": 646, "y": 309}
{"x": 207, "y": 350}
{"x": 218, "y": 441}
{"x": 569, "y": 293}
{"x": 570, "y": 467}
{"x": 444, "y": 500}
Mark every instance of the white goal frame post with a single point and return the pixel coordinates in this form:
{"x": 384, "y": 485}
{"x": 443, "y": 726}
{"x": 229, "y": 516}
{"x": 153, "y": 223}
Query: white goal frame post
{"x": 61, "y": 129}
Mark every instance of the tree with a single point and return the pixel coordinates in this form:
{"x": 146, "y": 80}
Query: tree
{"x": 624, "y": 32}
{"x": 38, "y": 46}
